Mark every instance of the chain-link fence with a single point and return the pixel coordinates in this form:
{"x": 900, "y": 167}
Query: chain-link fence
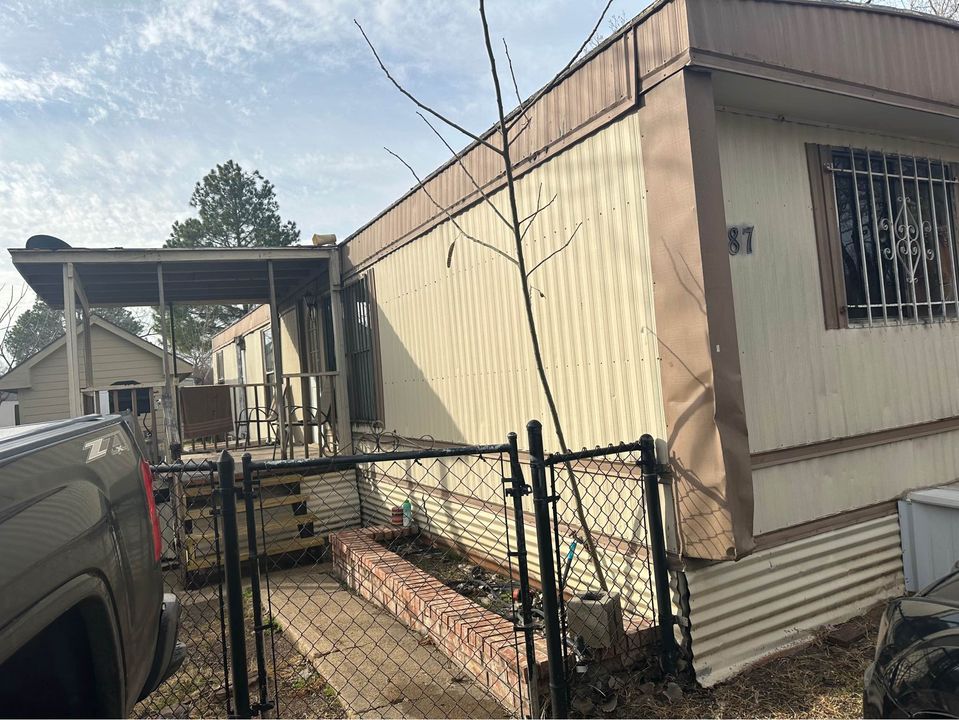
{"x": 187, "y": 501}
{"x": 409, "y": 581}
{"x": 611, "y": 567}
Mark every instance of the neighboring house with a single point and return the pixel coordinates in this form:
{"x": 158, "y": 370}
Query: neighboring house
{"x": 119, "y": 356}
{"x": 765, "y": 279}
{"x": 9, "y": 409}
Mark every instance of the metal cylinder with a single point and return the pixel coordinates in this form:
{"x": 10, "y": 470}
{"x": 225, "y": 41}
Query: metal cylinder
{"x": 234, "y": 586}
{"x": 518, "y": 489}
{"x": 254, "y": 568}
{"x": 657, "y": 546}
{"x": 554, "y": 641}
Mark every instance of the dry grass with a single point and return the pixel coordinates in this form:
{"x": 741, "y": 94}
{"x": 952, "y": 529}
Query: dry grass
{"x": 819, "y": 680}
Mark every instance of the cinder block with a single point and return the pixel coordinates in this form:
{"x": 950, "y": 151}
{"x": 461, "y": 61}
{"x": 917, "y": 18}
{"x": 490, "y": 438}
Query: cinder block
{"x": 597, "y": 617}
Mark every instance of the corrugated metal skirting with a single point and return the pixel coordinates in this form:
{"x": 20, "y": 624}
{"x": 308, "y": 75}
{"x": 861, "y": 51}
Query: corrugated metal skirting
{"x": 743, "y": 611}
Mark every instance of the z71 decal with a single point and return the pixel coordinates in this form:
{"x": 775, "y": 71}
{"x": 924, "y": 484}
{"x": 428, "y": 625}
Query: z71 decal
{"x": 112, "y": 444}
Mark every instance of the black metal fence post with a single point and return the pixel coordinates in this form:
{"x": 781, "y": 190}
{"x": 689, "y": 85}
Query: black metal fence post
{"x": 657, "y": 546}
{"x": 254, "y": 570}
{"x": 554, "y": 641}
{"x": 234, "y": 587}
{"x": 517, "y": 491}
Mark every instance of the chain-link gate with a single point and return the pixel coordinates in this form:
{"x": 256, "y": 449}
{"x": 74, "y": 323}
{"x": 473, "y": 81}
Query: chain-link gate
{"x": 599, "y": 511}
{"x": 388, "y": 573}
{"x": 188, "y": 504}
{"x": 408, "y": 581}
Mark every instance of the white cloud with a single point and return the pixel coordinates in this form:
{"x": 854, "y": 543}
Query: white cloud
{"x": 110, "y": 112}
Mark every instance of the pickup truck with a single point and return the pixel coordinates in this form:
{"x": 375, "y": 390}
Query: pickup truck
{"x": 85, "y": 627}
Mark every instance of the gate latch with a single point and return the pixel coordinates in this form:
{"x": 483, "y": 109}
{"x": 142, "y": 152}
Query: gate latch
{"x": 508, "y": 490}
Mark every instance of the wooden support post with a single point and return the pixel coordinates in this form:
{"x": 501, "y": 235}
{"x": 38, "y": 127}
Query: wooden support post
{"x": 344, "y": 428}
{"x": 277, "y": 363}
{"x": 166, "y": 397}
{"x": 73, "y": 358}
{"x": 88, "y": 380}
{"x": 309, "y": 412}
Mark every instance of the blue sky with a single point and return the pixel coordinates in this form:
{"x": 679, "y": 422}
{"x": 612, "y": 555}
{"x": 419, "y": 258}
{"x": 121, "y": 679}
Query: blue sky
{"x": 111, "y": 111}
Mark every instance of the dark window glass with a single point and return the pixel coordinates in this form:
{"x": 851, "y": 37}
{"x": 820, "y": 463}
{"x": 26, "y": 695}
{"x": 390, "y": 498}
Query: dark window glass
{"x": 896, "y": 236}
{"x": 358, "y": 316}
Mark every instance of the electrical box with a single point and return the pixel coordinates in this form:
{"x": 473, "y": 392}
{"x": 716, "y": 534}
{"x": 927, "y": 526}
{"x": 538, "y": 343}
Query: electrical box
{"x": 929, "y": 525}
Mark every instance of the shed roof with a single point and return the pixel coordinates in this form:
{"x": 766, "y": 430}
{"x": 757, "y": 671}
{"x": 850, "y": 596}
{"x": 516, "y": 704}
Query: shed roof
{"x": 196, "y": 276}
{"x": 18, "y": 377}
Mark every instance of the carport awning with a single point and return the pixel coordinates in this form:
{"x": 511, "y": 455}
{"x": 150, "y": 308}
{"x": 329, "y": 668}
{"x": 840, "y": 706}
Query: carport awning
{"x": 193, "y": 276}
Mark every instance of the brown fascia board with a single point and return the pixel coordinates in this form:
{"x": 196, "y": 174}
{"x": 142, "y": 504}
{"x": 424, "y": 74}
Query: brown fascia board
{"x": 796, "y": 42}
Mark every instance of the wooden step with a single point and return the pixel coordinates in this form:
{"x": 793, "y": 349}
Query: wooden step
{"x": 205, "y": 489}
{"x": 278, "y": 501}
{"x": 287, "y": 523}
{"x": 202, "y": 562}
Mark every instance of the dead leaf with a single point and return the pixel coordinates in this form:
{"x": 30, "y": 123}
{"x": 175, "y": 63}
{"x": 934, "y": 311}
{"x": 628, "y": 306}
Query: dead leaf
{"x": 673, "y": 692}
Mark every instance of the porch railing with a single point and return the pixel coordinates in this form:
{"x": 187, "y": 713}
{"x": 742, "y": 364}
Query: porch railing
{"x": 308, "y": 417}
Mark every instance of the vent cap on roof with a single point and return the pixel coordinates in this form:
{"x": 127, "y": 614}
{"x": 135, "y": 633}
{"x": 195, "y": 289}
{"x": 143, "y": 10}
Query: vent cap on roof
{"x": 46, "y": 242}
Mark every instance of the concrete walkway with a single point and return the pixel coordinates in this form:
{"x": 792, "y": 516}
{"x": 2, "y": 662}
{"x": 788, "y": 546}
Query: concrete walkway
{"x": 377, "y": 666}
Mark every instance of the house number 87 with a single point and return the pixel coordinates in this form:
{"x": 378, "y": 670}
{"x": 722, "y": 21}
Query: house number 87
{"x": 740, "y": 239}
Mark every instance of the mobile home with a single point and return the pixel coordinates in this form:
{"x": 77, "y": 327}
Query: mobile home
{"x": 765, "y": 279}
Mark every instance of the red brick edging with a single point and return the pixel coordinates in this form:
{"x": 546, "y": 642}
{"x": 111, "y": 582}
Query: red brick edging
{"x": 476, "y": 638}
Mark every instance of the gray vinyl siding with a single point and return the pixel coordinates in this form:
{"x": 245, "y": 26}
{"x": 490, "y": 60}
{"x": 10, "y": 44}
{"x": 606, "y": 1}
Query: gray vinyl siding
{"x": 114, "y": 359}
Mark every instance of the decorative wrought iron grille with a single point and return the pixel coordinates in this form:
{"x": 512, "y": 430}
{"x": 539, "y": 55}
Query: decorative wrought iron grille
{"x": 897, "y": 235}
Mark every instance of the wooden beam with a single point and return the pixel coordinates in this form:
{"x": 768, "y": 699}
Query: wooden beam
{"x": 344, "y": 427}
{"x": 277, "y": 335}
{"x": 74, "y": 396}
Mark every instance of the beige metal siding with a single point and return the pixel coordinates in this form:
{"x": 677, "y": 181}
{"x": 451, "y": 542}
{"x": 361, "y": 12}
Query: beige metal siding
{"x": 743, "y": 611}
{"x": 799, "y": 492}
{"x": 802, "y": 383}
{"x": 868, "y": 50}
{"x": 456, "y": 357}
{"x": 114, "y": 359}
{"x": 602, "y": 85}
{"x": 461, "y": 502}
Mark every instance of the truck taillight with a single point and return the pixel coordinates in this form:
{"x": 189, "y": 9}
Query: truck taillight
{"x": 152, "y": 508}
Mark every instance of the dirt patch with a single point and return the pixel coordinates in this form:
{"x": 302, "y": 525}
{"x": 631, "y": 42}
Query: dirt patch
{"x": 821, "y": 679}
{"x": 199, "y": 689}
{"x": 491, "y": 590}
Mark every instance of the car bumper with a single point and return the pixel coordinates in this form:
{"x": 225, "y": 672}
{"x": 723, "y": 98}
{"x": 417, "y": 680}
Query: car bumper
{"x": 169, "y": 653}
{"x": 873, "y": 694}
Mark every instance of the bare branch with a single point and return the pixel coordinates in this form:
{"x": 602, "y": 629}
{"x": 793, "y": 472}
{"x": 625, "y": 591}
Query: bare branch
{"x": 422, "y": 106}
{"x": 532, "y": 217}
{"x": 527, "y": 299}
{"x": 9, "y": 308}
{"x": 449, "y": 215}
{"x": 459, "y": 159}
{"x": 555, "y": 252}
{"x": 558, "y": 76}
{"x": 519, "y": 98}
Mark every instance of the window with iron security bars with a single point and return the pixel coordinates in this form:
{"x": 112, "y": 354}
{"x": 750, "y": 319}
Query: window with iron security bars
{"x": 359, "y": 311}
{"x": 895, "y": 221}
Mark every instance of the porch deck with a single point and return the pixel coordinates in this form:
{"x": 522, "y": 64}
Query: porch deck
{"x": 259, "y": 453}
